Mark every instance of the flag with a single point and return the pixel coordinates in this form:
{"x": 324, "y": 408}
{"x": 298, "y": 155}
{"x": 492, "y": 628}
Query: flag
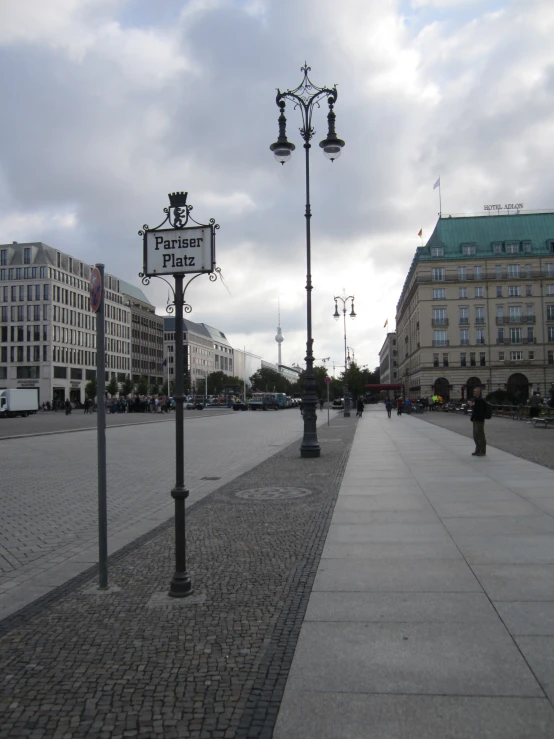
{"x": 164, "y": 363}
{"x": 386, "y": 323}
{"x": 437, "y": 183}
{"x": 420, "y": 232}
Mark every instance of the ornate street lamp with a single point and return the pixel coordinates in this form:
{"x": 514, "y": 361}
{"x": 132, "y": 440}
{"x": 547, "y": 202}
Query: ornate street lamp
{"x": 336, "y": 315}
{"x": 305, "y": 97}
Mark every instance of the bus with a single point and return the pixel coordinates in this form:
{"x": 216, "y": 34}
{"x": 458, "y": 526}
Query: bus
{"x": 266, "y": 401}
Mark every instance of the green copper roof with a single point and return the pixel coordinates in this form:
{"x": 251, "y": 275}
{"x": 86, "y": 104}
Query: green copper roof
{"x": 453, "y": 231}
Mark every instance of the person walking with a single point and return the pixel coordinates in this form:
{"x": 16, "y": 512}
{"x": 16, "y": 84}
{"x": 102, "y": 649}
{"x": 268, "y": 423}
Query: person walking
{"x": 399, "y": 406}
{"x": 388, "y": 406}
{"x": 478, "y": 415}
{"x": 359, "y": 407}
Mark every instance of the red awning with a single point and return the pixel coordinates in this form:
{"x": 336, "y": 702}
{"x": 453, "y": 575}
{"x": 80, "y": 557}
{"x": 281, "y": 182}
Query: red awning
{"x": 396, "y": 386}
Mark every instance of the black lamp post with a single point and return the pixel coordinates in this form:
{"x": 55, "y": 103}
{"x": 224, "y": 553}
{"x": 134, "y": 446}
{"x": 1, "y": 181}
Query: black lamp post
{"x": 305, "y": 97}
{"x": 336, "y": 315}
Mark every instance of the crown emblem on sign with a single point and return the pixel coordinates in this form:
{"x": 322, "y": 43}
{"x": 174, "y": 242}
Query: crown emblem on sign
{"x": 178, "y": 199}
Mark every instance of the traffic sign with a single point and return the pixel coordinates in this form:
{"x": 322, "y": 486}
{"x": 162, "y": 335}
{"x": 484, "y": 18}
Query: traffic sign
{"x": 95, "y": 289}
{"x": 327, "y": 379}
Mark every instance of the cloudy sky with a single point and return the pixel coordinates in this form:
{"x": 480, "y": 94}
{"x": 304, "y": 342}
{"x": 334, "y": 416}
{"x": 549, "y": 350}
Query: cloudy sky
{"x": 108, "y": 105}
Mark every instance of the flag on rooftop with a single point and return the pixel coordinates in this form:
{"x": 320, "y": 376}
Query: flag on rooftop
{"x": 386, "y": 323}
{"x": 437, "y": 183}
{"x": 420, "y": 232}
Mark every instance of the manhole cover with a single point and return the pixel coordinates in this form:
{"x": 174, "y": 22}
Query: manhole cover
{"x": 273, "y": 493}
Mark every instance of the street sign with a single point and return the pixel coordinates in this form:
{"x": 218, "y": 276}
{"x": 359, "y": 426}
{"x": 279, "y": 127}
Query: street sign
{"x": 328, "y": 380}
{"x": 177, "y": 251}
{"x": 95, "y": 289}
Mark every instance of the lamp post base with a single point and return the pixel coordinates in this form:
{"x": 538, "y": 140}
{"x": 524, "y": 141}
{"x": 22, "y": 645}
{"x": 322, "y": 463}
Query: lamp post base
{"x": 310, "y": 450}
{"x": 180, "y": 586}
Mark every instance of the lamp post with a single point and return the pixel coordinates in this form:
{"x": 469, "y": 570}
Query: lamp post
{"x": 336, "y": 315}
{"x": 305, "y": 97}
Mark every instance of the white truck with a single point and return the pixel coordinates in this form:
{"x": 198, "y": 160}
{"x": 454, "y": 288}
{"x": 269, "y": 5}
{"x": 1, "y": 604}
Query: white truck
{"x": 18, "y": 402}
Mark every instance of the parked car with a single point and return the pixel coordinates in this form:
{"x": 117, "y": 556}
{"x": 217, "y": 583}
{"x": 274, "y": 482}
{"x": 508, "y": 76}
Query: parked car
{"x": 240, "y": 405}
{"x": 338, "y": 403}
{"x": 195, "y": 406}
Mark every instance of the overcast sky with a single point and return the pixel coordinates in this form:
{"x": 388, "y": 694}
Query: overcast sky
{"x": 108, "y": 105}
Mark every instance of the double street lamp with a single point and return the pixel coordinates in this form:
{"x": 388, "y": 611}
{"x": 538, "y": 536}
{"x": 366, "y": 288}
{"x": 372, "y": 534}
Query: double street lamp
{"x": 336, "y": 315}
{"x": 305, "y": 97}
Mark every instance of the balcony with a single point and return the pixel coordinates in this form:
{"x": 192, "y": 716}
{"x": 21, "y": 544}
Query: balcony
{"x": 500, "y": 321}
{"x": 441, "y": 342}
{"x": 464, "y": 321}
{"x": 439, "y": 322}
{"x": 480, "y": 320}
{"x": 464, "y": 342}
{"x": 479, "y": 341}
{"x": 508, "y": 342}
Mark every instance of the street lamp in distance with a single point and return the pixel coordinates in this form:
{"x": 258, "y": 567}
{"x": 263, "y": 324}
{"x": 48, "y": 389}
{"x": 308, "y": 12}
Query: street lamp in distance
{"x": 336, "y": 315}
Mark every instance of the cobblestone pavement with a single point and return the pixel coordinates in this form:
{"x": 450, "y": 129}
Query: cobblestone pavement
{"x": 515, "y": 437}
{"x": 133, "y": 662}
{"x": 48, "y": 497}
{"x": 50, "y": 422}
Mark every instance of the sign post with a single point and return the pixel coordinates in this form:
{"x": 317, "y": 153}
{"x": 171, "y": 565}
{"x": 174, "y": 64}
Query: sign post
{"x": 179, "y": 250}
{"x": 96, "y": 287}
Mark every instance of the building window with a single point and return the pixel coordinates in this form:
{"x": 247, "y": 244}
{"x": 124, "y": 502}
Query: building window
{"x": 468, "y": 250}
{"x": 497, "y": 248}
{"x": 550, "y": 289}
{"x": 28, "y": 373}
{"x": 482, "y": 359}
{"x": 550, "y": 312}
{"x": 549, "y": 270}
{"x": 479, "y": 314}
{"x": 500, "y": 356}
{"x": 550, "y": 334}
{"x": 439, "y": 293}
{"x": 499, "y": 313}
{"x": 60, "y": 373}
{"x": 4, "y": 257}
{"x": 439, "y": 317}
{"x": 463, "y": 292}
{"x": 514, "y": 291}
{"x": 516, "y": 336}
{"x": 27, "y": 255}
{"x": 440, "y": 338}
{"x": 438, "y": 273}
{"x": 499, "y": 291}
{"x": 528, "y": 291}
{"x": 463, "y": 361}
{"x": 479, "y": 335}
{"x": 514, "y": 312}
{"x": 464, "y": 337}
{"x": 512, "y": 247}
{"x": 437, "y": 251}
{"x": 550, "y": 356}
{"x": 462, "y": 273}
{"x": 445, "y": 360}
{"x": 472, "y": 359}
{"x": 531, "y": 355}
{"x": 516, "y": 356}
{"x": 528, "y": 270}
{"x": 478, "y": 273}
{"x": 464, "y": 314}
{"x": 527, "y": 247}
{"x": 500, "y": 338}
{"x": 498, "y": 271}
{"x": 479, "y": 292}
{"x": 435, "y": 360}
{"x": 513, "y": 271}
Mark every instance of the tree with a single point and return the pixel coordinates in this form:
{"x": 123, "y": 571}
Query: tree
{"x": 127, "y": 386}
{"x": 113, "y": 387}
{"x": 266, "y": 380}
{"x": 321, "y": 386}
{"x": 142, "y": 387}
{"x": 91, "y": 388}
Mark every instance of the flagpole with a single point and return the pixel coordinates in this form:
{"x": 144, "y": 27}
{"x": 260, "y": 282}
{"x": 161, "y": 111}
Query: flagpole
{"x": 440, "y": 199}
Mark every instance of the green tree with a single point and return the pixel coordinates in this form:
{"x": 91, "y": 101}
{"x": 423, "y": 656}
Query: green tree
{"x": 91, "y": 388}
{"x": 266, "y": 380}
{"x": 216, "y": 381}
{"x": 142, "y": 387}
{"x": 127, "y": 386}
{"x": 321, "y": 386}
{"x": 112, "y": 387}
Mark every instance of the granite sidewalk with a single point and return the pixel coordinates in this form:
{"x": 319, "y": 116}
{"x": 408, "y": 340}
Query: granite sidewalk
{"x": 432, "y": 611}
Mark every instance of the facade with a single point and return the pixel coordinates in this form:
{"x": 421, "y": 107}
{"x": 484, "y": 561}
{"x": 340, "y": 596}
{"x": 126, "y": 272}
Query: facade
{"x": 388, "y": 360}
{"x": 224, "y": 360}
{"x": 477, "y": 308}
{"x": 199, "y": 355}
{"x": 147, "y": 329}
{"x": 47, "y": 329}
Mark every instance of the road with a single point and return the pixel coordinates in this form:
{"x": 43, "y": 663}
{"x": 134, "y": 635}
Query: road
{"x": 48, "y": 528}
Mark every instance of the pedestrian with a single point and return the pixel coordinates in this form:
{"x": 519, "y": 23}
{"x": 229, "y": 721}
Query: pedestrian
{"x": 534, "y": 407}
{"x": 67, "y": 407}
{"x": 321, "y": 402}
{"x": 359, "y": 407}
{"x": 399, "y": 406}
{"x": 388, "y": 406}
{"x": 478, "y": 416}
{"x": 86, "y": 406}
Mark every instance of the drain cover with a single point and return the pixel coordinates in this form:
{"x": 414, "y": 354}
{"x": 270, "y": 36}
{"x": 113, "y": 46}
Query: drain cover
{"x": 273, "y": 493}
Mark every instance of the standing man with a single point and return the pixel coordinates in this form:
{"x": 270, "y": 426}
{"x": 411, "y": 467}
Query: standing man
{"x": 478, "y": 414}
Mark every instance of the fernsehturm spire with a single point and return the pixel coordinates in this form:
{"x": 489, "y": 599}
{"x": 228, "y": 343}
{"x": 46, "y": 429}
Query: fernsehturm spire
{"x": 279, "y": 338}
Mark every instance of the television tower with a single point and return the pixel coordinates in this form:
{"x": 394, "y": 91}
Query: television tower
{"x": 279, "y": 338}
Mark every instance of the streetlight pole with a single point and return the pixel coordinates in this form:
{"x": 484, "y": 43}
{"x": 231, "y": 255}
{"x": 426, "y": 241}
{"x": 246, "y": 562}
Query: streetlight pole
{"x": 305, "y": 97}
{"x": 344, "y": 299}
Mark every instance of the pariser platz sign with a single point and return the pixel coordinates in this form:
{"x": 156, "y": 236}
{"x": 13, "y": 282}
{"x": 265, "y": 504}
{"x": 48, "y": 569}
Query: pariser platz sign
{"x": 179, "y": 250}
